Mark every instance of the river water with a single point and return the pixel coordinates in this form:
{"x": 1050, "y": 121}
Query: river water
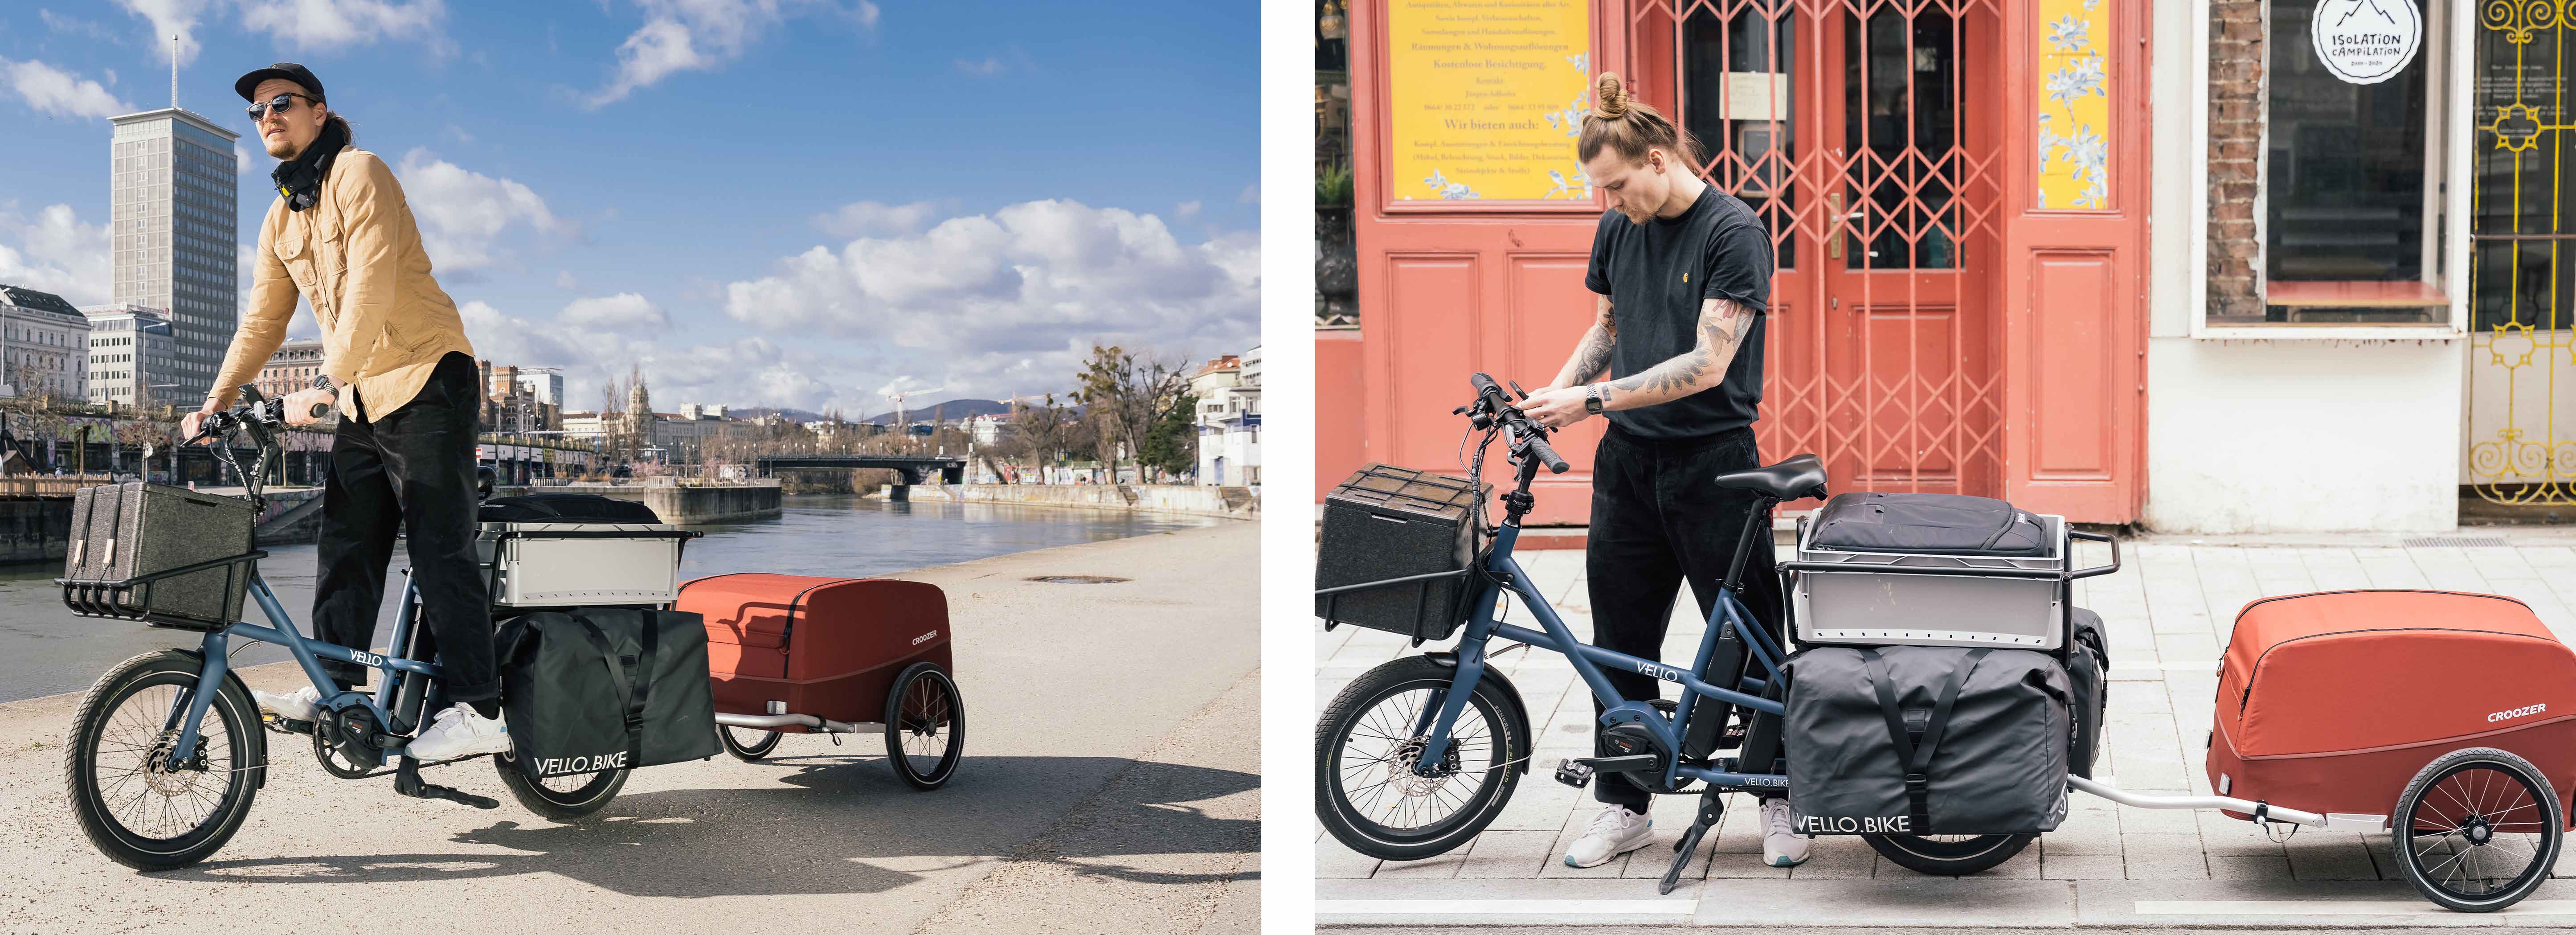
{"x": 45, "y": 650}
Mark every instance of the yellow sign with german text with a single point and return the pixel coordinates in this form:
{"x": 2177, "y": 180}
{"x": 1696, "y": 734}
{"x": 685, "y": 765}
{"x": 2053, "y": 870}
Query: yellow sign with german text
{"x": 1488, "y": 96}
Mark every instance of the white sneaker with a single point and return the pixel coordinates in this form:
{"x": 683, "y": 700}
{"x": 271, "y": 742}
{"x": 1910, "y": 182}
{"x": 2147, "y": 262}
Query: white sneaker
{"x": 458, "y": 731}
{"x": 1614, "y": 831}
{"x": 1782, "y": 845}
{"x": 298, "y": 705}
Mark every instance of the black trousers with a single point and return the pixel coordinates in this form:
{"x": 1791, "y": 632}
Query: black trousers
{"x": 412, "y": 467}
{"x": 1657, "y": 520}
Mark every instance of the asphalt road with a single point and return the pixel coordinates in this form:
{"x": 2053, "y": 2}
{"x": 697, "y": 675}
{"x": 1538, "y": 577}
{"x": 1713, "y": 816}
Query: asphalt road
{"x": 1110, "y": 785}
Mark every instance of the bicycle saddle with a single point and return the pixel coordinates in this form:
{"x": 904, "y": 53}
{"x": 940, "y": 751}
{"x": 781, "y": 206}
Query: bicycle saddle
{"x": 1801, "y": 476}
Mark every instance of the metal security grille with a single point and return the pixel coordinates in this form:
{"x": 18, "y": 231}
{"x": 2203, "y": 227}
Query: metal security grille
{"x": 1847, "y": 126}
{"x": 2522, "y": 278}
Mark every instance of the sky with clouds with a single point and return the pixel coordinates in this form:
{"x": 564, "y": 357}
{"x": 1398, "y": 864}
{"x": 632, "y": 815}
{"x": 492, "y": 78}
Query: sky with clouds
{"x": 800, "y": 203}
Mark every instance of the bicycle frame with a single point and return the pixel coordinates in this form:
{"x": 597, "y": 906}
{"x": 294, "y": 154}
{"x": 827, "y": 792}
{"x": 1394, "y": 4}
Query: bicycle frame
{"x": 1504, "y": 574}
{"x": 308, "y": 653}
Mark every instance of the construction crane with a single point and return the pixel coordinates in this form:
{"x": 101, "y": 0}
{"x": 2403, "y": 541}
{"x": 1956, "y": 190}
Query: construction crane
{"x": 900, "y": 426}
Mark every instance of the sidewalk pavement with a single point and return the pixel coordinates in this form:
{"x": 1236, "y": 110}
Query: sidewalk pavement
{"x": 2168, "y": 612}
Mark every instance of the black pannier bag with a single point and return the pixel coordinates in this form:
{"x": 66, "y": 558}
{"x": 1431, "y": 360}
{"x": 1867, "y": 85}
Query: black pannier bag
{"x": 564, "y": 508}
{"x": 597, "y": 688}
{"x": 1928, "y": 522}
{"x": 2088, "y": 669}
{"x": 1926, "y": 740}
{"x": 1388, "y": 522}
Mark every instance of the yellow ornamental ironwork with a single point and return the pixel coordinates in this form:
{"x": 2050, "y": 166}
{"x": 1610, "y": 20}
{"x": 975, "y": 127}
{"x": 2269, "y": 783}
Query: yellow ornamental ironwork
{"x": 2522, "y": 359}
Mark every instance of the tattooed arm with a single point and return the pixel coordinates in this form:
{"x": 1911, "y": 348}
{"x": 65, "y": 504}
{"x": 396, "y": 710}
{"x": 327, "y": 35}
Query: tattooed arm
{"x": 1592, "y": 354}
{"x": 1722, "y": 326}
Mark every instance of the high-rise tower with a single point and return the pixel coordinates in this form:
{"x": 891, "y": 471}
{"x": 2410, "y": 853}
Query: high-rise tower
{"x": 174, "y": 191}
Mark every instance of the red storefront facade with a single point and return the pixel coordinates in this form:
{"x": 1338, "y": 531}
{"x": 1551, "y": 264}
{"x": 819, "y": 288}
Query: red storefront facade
{"x": 1936, "y": 325}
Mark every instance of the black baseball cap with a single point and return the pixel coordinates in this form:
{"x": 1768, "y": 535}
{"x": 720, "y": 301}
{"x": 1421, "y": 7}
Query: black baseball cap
{"x": 287, "y": 70}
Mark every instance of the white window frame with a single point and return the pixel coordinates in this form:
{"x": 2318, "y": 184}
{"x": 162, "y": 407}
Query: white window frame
{"x": 2447, "y": 108}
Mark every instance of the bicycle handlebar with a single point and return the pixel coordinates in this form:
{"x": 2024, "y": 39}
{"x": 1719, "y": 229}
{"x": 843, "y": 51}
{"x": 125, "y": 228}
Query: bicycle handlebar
{"x": 1532, "y": 437}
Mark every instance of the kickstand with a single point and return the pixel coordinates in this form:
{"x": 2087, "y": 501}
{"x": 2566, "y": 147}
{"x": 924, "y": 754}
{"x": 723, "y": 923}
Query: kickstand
{"x": 407, "y": 782}
{"x": 1711, "y": 808}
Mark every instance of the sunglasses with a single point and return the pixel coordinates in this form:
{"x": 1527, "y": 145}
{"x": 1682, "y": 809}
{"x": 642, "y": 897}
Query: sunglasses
{"x": 279, "y": 103}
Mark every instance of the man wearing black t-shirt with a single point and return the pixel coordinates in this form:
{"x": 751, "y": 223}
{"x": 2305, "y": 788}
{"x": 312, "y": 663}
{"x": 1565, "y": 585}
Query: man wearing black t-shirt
{"x": 1682, "y": 276}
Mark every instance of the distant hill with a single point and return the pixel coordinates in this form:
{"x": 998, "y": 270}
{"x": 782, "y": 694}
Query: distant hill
{"x": 947, "y": 409}
{"x": 951, "y": 409}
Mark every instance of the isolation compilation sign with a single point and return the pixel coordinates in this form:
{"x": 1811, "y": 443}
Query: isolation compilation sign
{"x": 2366, "y": 41}
{"x": 1487, "y": 98}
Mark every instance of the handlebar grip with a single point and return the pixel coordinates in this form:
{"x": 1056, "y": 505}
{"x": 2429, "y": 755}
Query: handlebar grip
{"x": 1538, "y": 448}
{"x": 321, "y": 409}
{"x": 1485, "y": 386}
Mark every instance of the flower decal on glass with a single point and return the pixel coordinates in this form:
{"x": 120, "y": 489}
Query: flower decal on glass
{"x": 2074, "y": 125}
{"x": 1566, "y": 187}
{"x": 1447, "y": 189}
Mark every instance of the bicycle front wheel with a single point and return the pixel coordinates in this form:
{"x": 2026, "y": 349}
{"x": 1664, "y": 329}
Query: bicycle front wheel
{"x": 1368, "y": 792}
{"x": 139, "y": 806}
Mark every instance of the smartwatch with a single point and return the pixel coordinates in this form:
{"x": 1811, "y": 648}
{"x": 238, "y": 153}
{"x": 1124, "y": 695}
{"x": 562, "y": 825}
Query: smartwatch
{"x": 1592, "y": 398}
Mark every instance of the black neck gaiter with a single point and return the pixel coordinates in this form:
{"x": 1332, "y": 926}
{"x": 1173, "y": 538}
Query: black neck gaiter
{"x": 299, "y": 179}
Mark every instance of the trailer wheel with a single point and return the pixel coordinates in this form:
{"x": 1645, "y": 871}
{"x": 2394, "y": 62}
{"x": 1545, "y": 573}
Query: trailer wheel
{"x": 925, "y": 726}
{"x": 748, "y": 744}
{"x": 2478, "y": 829}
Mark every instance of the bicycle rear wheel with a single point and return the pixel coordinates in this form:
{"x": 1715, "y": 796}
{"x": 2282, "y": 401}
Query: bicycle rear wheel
{"x": 137, "y": 807}
{"x": 1949, "y": 855}
{"x": 560, "y": 798}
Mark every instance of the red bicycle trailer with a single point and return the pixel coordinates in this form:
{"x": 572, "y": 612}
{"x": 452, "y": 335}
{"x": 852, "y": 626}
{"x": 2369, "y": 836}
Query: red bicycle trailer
{"x": 2446, "y": 719}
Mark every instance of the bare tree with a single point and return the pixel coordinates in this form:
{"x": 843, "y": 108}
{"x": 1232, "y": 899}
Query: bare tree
{"x": 1124, "y": 393}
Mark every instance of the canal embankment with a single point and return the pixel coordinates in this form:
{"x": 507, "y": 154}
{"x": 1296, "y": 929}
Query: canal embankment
{"x": 1188, "y": 500}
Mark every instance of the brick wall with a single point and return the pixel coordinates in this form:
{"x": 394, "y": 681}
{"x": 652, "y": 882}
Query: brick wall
{"x": 2236, "y": 118}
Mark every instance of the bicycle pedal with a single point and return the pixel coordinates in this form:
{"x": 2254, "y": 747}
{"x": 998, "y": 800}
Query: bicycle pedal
{"x": 1573, "y": 774}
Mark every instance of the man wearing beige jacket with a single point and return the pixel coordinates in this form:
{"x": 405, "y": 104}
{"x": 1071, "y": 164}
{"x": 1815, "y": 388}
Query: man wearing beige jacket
{"x": 341, "y": 236}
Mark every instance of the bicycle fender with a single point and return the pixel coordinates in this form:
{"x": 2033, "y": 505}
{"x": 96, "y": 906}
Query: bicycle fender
{"x": 1502, "y": 686}
{"x": 258, "y": 735}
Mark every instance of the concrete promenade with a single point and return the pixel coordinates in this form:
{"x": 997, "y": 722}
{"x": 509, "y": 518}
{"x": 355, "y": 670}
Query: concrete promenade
{"x": 1110, "y": 783}
{"x": 2169, "y": 613}
{"x": 1186, "y": 499}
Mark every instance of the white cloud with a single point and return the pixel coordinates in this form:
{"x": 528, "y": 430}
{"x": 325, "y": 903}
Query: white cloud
{"x": 564, "y": 280}
{"x": 77, "y": 27}
{"x": 169, "y": 17}
{"x": 748, "y": 371}
{"x": 1251, "y": 195}
{"x": 859, "y": 218}
{"x": 54, "y": 252}
{"x": 1186, "y": 209}
{"x": 463, "y": 212}
{"x": 339, "y": 24}
{"x": 623, "y": 311}
{"x": 1019, "y": 294}
{"x": 242, "y": 163}
{"x": 699, "y": 35}
{"x": 54, "y": 91}
{"x": 988, "y": 67}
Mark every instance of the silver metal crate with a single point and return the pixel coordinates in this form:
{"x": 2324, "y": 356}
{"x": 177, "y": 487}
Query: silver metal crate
{"x": 581, "y": 563}
{"x": 1877, "y": 602}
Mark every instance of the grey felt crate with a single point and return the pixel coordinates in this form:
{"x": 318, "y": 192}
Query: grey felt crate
{"x": 129, "y": 530}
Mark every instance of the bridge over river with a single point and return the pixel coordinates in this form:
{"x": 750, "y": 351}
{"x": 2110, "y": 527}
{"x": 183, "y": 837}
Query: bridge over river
{"x": 910, "y": 469}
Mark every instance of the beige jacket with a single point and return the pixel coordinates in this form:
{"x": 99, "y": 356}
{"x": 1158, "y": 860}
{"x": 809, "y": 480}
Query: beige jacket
{"x": 356, "y": 256}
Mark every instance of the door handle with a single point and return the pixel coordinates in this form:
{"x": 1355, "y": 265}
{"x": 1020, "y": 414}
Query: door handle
{"x": 1834, "y": 224}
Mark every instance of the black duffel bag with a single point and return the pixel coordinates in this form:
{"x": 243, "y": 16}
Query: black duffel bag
{"x": 564, "y": 508}
{"x": 599, "y": 688}
{"x": 1926, "y": 740}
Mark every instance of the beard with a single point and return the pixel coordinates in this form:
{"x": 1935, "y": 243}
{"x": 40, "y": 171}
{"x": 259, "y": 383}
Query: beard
{"x": 281, "y": 147}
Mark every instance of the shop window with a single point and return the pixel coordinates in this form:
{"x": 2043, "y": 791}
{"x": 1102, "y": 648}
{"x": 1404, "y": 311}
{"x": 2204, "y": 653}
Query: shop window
{"x": 2351, "y": 179}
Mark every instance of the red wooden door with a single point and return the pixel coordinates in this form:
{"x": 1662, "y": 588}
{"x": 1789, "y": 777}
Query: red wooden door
{"x": 1931, "y": 328}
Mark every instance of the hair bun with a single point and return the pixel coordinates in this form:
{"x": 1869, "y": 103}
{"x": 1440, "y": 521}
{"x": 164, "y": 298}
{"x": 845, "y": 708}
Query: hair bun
{"x": 1610, "y": 98}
